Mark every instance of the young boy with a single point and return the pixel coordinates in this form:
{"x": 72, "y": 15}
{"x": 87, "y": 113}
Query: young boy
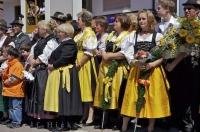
{"x": 3, "y": 100}
{"x": 13, "y": 87}
{"x": 25, "y": 50}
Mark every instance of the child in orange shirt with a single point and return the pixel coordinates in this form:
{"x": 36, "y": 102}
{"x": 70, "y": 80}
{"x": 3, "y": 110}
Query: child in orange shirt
{"x": 13, "y": 87}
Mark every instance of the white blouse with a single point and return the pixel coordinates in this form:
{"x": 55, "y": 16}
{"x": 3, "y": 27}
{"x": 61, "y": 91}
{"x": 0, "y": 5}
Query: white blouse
{"x": 163, "y": 26}
{"x": 51, "y": 46}
{"x": 127, "y": 47}
{"x": 89, "y": 45}
{"x": 102, "y": 42}
{"x": 129, "y": 43}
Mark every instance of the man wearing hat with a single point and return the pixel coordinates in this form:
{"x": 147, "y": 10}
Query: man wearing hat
{"x": 4, "y": 40}
{"x": 59, "y": 18}
{"x": 20, "y": 37}
{"x": 185, "y": 97}
{"x": 191, "y": 8}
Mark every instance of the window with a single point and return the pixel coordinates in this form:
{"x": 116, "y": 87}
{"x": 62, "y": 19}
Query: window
{"x": 109, "y": 5}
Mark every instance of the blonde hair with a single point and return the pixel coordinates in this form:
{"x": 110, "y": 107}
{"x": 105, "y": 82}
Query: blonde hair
{"x": 150, "y": 20}
{"x": 134, "y": 22}
{"x": 86, "y": 17}
{"x": 167, "y": 4}
{"x": 44, "y": 25}
{"x": 66, "y": 28}
{"x": 102, "y": 21}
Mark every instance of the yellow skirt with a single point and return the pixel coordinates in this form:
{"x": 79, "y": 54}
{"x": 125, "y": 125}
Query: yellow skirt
{"x": 87, "y": 76}
{"x": 51, "y": 99}
{"x": 156, "y": 96}
{"x": 115, "y": 88}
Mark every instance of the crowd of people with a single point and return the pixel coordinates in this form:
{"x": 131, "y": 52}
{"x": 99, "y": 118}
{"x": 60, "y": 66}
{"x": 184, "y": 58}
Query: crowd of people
{"x": 68, "y": 74}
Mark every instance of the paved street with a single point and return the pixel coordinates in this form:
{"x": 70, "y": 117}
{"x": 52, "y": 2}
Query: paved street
{"x": 25, "y": 128}
{"x": 28, "y": 129}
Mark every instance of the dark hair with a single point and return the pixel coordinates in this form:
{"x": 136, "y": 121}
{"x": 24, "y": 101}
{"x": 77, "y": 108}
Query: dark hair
{"x": 69, "y": 17}
{"x": 6, "y": 47}
{"x": 25, "y": 47}
{"x": 13, "y": 52}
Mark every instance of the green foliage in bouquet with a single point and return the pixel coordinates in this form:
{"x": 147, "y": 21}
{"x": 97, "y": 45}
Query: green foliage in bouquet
{"x": 168, "y": 45}
{"x": 143, "y": 83}
{"x": 112, "y": 69}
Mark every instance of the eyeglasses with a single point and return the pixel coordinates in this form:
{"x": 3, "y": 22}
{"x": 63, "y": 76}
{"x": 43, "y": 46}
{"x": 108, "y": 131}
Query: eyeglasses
{"x": 14, "y": 26}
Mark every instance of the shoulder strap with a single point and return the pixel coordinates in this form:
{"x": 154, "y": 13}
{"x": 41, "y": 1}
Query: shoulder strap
{"x": 136, "y": 36}
{"x": 154, "y": 38}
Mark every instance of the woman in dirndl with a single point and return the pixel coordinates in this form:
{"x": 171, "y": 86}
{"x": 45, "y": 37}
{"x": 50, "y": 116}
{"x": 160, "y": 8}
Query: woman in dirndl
{"x": 156, "y": 98}
{"x": 62, "y": 93}
{"x": 100, "y": 27}
{"x": 39, "y": 56}
{"x": 109, "y": 89}
{"x": 87, "y": 44}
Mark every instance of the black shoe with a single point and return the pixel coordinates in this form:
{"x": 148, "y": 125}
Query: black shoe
{"x": 13, "y": 125}
{"x": 83, "y": 122}
{"x": 3, "y": 119}
{"x": 60, "y": 129}
{"x": 78, "y": 125}
{"x": 6, "y": 122}
{"x": 114, "y": 128}
{"x": 32, "y": 125}
{"x": 74, "y": 127}
{"x": 97, "y": 127}
{"x": 89, "y": 124}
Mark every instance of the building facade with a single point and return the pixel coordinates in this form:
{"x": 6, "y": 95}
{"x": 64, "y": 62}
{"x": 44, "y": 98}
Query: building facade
{"x": 9, "y": 9}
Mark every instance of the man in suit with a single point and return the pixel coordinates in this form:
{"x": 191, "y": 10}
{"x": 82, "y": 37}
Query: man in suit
{"x": 20, "y": 37}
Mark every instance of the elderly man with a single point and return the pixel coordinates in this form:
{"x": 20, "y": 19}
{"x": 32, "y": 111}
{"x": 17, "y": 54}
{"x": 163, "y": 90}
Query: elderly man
{"x": 20, "y": 37}
{"x": 185, "y": 96}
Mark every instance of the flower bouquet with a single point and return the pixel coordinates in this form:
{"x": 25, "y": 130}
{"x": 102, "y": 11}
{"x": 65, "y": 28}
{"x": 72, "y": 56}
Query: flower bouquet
{"x": 168, "y": 45}
{"x": 189, "y": 32}
{"x": 108, "y": 83}
{"x": 142, "y": 57}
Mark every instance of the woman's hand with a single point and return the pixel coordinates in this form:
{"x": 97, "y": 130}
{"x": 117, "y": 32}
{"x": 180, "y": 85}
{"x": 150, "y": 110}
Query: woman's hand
{"x": 50, "y": 67}
{"x": 170, "y": 66}
{"x": 179, "y": 58}
{"x": 78, "y": 66}
{"x": 104, "y": 56}
{"x": 149, "y": 66}
{"x": 98, "y": 53}
{"x": 32, "y": 62}
{"x": 6, "y": 82}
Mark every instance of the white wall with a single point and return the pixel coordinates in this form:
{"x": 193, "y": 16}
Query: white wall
{"x": 97, "y": 7}
{"x": 65, "y": 6}
{"x": 181, "y": 12}
{"x": 9, "y": 10}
